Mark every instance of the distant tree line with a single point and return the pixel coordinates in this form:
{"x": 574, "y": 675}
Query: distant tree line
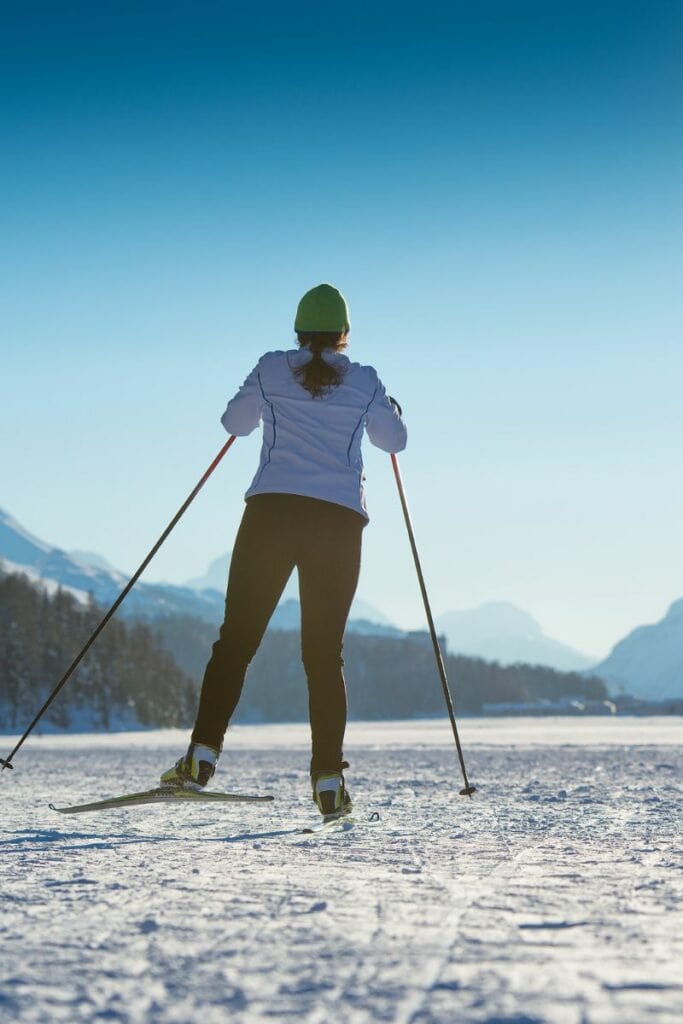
{"x": 126, "y": 677}
{"x": 149, "y": 673}
{"x": 386, "y": 677}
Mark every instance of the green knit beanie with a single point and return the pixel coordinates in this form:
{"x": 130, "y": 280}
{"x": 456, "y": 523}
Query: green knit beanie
{"x": 323, "y": 308}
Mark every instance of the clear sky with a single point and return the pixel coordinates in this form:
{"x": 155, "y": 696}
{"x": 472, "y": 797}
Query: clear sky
{"x": 495, "y": 187}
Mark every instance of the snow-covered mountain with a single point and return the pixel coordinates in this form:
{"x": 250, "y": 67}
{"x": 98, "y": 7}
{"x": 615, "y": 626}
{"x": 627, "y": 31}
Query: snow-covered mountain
{"x": 499, "y": 631}
{"x": 215, "y": 577}
{"x": 648, "y": 663}
{"x": 93, "y": 559}
{"x": 364, "y": 618}
{"x": 287, "y": 616}
{"x": 84, "y": 573}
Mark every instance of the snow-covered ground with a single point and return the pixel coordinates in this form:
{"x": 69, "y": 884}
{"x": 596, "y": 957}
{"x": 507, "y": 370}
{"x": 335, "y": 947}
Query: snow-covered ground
{"x": 552, "y": 896}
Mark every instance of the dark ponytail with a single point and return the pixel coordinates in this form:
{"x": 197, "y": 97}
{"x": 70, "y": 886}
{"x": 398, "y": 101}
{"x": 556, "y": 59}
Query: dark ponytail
{"x": 318, "y": 376}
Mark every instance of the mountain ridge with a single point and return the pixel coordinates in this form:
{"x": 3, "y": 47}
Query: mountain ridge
{"x": 648, "y": 662}
{"x": 501, "y": 631}
{"x": 86, "y": 574}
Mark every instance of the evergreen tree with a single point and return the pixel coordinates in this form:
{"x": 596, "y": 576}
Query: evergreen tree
{"x": 126, "y": 677}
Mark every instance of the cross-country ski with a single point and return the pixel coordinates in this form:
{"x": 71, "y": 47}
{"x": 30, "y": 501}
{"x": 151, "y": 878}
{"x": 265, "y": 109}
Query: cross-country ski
{"x": 161, "y": 796}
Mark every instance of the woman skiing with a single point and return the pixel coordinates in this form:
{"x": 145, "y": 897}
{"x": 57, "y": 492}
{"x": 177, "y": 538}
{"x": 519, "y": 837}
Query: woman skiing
{"x": 306, "y": 509}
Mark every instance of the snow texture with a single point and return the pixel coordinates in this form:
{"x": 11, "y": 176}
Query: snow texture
{"x": 552, "y": 896}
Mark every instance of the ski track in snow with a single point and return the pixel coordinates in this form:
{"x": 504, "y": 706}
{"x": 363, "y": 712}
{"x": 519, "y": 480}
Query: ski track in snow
{"x": 554, "y": 895}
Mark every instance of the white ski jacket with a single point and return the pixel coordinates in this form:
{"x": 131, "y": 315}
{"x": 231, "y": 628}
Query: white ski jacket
{"x": 312, "y": 446}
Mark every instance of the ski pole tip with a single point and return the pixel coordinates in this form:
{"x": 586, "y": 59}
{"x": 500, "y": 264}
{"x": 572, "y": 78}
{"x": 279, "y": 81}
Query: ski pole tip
{"x": 5, "y": 764}
{"x": 468, "y": 791}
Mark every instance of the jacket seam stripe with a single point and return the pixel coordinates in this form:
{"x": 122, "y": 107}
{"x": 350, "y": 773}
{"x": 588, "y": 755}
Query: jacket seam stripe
{"x": 270, "y": 449}
{"x": 355, "y": 431}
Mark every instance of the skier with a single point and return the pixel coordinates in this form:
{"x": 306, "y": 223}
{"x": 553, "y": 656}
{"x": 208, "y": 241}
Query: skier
{"x": 306, "y": 509}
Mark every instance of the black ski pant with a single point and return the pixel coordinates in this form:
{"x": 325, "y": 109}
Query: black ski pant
{"x": 322, "y": 540}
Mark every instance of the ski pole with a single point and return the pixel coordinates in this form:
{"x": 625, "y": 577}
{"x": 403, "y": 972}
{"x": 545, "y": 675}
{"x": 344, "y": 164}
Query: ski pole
{"x": 468, "y": 789}
{"x": 7, "y": 762}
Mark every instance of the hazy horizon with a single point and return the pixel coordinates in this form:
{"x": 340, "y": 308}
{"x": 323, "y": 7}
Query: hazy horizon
{"x": 215, "y": 576}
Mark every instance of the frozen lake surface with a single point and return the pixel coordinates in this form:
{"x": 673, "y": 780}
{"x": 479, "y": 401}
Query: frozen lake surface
{"x": 554, "y": 895}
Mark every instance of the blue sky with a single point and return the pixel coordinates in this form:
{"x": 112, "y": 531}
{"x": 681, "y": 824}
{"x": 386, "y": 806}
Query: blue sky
{"x": 497, "y": 192}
